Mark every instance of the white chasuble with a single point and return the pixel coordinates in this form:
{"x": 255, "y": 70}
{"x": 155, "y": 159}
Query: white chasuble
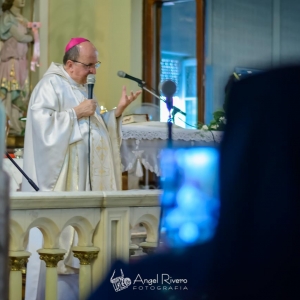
{"x": 56, "y": 156}
{"x": 56, "y": 143}
{"x": 75, "y": 172}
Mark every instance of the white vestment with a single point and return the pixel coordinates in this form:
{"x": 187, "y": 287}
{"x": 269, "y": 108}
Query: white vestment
{"x": 56, "y": 153}
{"x": 56, "y": 143}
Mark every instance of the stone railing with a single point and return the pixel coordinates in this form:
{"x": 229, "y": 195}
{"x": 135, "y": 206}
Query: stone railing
{"x": 102, "y": 220}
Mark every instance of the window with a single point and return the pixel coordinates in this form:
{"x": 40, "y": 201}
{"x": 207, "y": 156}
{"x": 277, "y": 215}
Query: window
{"x": 173, "y": 49}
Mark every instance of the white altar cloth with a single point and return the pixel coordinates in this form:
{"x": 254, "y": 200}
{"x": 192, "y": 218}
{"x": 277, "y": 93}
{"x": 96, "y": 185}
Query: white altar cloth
{"x": 158, "y": 130}
{"x": 143, "y": 142}
{"x": 141, "y": 145}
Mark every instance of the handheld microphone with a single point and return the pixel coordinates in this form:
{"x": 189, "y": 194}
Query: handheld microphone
{"x": 90, "y": 83}
{"x": 124, "y": 75}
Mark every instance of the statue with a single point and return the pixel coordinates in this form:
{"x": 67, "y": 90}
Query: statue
{"x": 14, "y": 85}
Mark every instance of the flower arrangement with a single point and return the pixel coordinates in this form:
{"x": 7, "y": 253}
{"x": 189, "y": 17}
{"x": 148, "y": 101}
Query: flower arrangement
{"x": 217, "y": 123}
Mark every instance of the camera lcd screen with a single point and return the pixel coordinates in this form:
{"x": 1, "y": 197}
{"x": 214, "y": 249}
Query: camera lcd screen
{"x": 190, "y": 198}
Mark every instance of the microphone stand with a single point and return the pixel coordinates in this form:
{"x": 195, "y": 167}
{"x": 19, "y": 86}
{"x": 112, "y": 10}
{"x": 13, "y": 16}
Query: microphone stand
{"x": 170, "y": 107}
{"x": 23, "y": 173}
{"x": 174, "y": 109}
{"x": 169, "y": 102}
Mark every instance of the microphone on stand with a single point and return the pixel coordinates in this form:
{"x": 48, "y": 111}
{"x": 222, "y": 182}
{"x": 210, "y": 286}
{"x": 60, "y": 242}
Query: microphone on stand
{"x": 90, "y": 84}
{"x": 125, "y": 75}
{"x": 168, "y": 88}
{"x": 141, "y": 83}
{"x": 167, "y": 85}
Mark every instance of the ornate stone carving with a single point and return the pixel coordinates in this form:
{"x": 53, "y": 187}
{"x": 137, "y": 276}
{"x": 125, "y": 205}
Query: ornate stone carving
{"x": 85, "y": 257}
{"x": 51, "y": 260}
{"x": 17, "y": 263}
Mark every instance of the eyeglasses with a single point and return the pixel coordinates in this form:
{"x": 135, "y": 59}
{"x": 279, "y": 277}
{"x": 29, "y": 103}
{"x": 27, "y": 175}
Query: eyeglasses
{"x": 96, "y": 65}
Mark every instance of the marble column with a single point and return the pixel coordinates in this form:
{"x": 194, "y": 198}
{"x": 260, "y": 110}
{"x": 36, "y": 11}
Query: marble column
{"x": 17, "y": 260}
{"x": 51, "y": 258}
{"x": 85, "y": 255}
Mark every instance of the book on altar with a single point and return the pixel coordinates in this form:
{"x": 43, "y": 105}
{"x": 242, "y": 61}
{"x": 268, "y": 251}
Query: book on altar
{"x": 135, "y": 118}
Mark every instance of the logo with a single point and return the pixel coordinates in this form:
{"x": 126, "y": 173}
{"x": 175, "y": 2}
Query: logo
{"x": 163, "y": 282}
{"x": 120, "y": 283}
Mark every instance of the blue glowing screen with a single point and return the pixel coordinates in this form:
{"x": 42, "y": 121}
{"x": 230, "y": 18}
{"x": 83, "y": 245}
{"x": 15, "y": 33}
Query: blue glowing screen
{"x": 190, "y": 198}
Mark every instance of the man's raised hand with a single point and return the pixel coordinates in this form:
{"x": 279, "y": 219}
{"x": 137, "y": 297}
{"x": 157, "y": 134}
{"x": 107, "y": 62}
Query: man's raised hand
{"x": 125, "y": 100}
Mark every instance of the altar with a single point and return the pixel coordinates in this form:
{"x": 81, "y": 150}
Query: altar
{"x": 143, "y": 142}
{"x": 140, "y": 149}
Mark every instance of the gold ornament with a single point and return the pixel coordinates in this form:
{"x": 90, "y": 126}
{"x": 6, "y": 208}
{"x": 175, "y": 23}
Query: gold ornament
{"x": 51, "y": 260}
{"x": 85, "y": 257}
{"x": 17, "y": 263}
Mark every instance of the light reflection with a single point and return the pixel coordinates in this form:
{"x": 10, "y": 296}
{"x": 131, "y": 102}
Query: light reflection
{"x": 190, "y": 200}
{"x": 189, "y": 232}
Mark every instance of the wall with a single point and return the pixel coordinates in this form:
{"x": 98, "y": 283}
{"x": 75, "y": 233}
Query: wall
{"x": 113, "y": 26}
{"x": 240, "y": 33}
{"x": 289, "y": 31}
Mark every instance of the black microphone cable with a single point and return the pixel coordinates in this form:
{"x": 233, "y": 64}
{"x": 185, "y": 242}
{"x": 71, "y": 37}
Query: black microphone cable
{"x": 90, "y": 83}
{"x": 89, "y": 153}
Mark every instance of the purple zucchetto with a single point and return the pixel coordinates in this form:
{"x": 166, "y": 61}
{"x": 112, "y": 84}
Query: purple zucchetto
{"x": 75, "y": 41}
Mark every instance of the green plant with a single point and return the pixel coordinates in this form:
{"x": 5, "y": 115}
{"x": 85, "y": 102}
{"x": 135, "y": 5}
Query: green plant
{"x": 217, "y": 123}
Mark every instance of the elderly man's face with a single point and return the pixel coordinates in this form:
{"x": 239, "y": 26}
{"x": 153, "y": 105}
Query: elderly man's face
{"x": 85, "y": 64}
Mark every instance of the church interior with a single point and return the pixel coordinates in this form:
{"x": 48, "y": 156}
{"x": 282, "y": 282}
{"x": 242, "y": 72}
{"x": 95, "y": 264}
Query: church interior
{"x": 73, "y": 236}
